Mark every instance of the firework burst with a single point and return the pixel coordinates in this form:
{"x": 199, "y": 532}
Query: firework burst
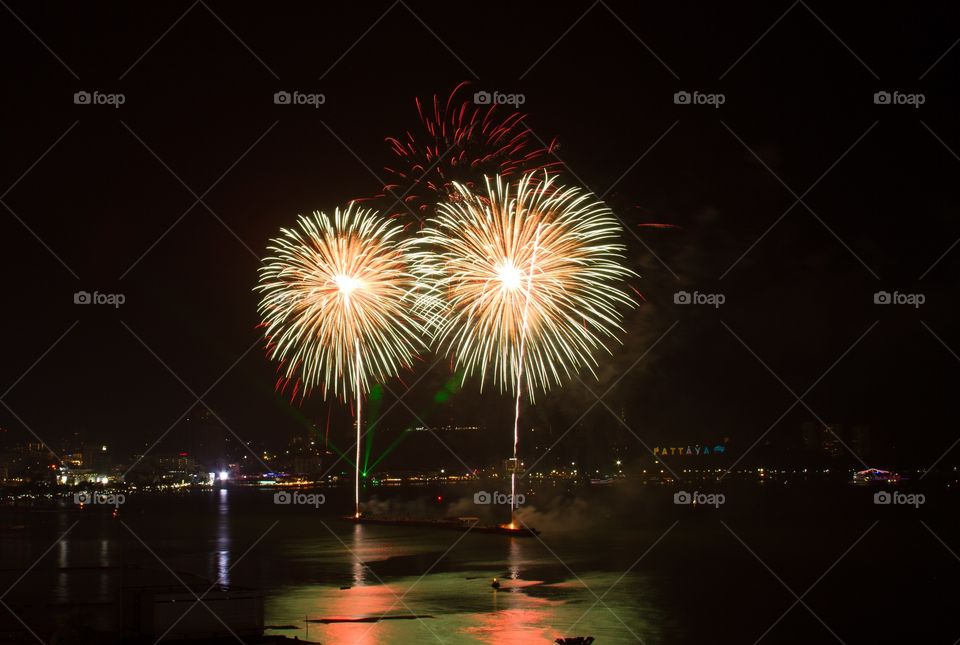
{"x": 460, "y": 142}
{"x": 336, "y": 302}
{"x": 525, "y": 281}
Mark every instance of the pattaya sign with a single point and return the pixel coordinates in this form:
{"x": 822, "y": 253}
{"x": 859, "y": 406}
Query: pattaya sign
{"x": 690, "y": 451}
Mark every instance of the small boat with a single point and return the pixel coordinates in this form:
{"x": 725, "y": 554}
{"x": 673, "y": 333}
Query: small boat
{"x": 576, "y": 640}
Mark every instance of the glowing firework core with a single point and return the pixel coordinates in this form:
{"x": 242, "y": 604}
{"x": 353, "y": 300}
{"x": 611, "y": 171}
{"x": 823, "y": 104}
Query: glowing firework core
{"x": 510, "y": 276}
{"x": 347, "y": 284}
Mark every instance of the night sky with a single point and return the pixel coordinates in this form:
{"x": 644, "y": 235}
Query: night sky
{"x": 106, "y": 199}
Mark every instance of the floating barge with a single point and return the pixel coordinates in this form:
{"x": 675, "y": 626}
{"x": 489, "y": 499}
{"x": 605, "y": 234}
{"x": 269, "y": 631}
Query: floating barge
{"x": 471, "y": 524}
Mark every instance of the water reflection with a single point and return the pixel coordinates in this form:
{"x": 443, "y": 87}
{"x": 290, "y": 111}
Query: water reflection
{"x": 514, "y": 558}
{"x": 312, "y": 576}
{"x": 222, "y": 565}
{"x": 519, "y": 626}
{"x": 515, "y": 617}
{"x": 62, "y": 590}
{"x": 356, "y": 548}
{"x": 539, "y": 600}
{"x": 357, "y": 602}
{"x": 103, "y": 561}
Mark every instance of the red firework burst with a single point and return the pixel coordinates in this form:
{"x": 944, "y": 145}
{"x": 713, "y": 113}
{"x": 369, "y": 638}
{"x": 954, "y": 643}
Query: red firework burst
{"x": 463, "y": 142}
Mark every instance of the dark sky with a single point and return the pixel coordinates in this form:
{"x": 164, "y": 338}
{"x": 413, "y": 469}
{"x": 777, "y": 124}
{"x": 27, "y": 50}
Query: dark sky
{"x": 105, "y": 199}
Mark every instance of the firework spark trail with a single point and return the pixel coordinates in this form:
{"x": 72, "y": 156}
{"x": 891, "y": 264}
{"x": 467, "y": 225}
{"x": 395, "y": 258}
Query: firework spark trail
{"x": 356, "y": 479}
{"x": 337, "y": 304}
{"x": 516, "y": 417}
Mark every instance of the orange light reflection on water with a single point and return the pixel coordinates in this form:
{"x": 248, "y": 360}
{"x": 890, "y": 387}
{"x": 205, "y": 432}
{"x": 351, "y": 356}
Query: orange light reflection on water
{"x": 358, "y": 602}
{"x": 526, "y": 625}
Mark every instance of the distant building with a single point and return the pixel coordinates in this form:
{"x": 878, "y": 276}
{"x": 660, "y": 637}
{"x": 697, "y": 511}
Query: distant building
{"x": 96, "y": 458}
{"x": 861, "y": 441}
{"x": 830, "y": 441}
{"x": 809, "y": 436}
{"x": 207, "y": 440}
{"x": 72, "y": 459}
{"x": 307, "y": 464}
{"x": 26, "y": 462}
{"x": 825, "y": 440}
{"x": 176, "y": 467}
